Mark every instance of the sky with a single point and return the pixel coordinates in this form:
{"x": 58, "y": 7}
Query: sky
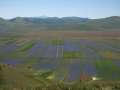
{"x": 59, "y": 8}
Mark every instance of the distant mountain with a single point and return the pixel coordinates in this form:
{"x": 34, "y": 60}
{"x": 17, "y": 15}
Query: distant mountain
{"x": 55, "y": 23}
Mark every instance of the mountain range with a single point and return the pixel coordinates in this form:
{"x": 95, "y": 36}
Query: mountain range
{"x": 62, "y": 24}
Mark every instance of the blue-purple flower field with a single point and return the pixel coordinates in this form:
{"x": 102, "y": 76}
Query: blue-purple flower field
{"x": 47, "y": 60}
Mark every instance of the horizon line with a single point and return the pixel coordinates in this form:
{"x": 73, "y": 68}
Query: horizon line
{"x": 44, "y": 17}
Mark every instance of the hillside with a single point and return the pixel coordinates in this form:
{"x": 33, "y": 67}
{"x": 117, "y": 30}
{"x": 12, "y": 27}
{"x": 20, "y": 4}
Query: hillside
{"x": 21, "y": 78}
{"x": 60, "y": 24}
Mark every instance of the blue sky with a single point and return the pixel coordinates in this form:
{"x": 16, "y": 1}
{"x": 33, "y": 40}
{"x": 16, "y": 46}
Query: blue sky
{"x": 59, "y": 8}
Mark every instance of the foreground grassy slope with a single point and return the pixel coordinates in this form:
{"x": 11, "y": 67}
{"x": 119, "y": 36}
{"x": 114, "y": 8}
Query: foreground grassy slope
{"x": 15, "y": 76}
{"x": 19, "y": 78}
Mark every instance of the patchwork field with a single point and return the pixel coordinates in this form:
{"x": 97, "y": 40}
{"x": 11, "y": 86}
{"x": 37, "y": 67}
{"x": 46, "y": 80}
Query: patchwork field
{"x": 61, "y": 57}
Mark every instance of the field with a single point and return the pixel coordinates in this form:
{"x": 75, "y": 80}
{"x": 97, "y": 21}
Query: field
{"x": 44, "y": 57}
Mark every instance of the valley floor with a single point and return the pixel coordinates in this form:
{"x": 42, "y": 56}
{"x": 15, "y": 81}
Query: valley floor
{"x": 50, "y": 60}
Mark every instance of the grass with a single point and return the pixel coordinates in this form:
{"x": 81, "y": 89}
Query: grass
{"x": 46, "y": 75}
{"x": 110, "y": 54}
{"x": 1, "y": 76}
{"x": 27, "y": 46}
{"x": 71, "y": 54}
{"x": 7, "y": 40}
{"x": 57, "y": 42}
{"x": 24, "y": 80}
{"x": 107, "y": 69}
{"x": 20, "y": 52}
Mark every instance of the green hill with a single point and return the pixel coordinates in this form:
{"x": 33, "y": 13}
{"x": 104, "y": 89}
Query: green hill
{"x": 60, "y": 24}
